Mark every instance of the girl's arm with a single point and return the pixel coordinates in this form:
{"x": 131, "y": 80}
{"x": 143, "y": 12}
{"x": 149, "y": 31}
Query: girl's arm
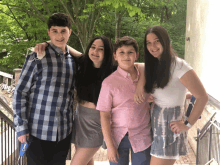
{"x": 74, "y": 52}
{"x": 191, "y": 81}
{"x": 139, "y": 92}
{"x": 112, "y": 152}
{"x": 40, "y": 48}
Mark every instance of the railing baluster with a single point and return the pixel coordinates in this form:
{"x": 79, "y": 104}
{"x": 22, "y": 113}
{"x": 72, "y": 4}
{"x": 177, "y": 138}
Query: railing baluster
{"x": 13, "y": 146}
{"x": 2, "y": 140}
{"x": 11, "y": 150}
{"x": 5, "y": 140}
{"x": 8, "y": 143}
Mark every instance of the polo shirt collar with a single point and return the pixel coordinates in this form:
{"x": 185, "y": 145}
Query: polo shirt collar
{"x": 126, "y": 74}
{"x": 58, "y": 50}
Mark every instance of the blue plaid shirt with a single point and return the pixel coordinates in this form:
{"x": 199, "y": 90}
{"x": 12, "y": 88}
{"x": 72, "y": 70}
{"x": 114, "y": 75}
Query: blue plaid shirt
{"x": 43, "y": 97}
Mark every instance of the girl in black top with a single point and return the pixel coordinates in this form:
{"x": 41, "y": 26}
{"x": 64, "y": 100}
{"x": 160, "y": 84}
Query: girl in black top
{"x": 93, "y": 67}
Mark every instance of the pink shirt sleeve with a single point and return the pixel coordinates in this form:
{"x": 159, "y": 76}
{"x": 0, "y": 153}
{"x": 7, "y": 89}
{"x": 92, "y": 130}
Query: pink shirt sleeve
{"x": 105, "y": 98}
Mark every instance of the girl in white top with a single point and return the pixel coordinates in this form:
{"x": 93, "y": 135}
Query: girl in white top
{"x": 167, "y": 78}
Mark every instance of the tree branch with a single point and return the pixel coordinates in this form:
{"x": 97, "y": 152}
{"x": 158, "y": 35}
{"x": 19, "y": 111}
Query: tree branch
{"x": 70, "y": 18}
{"x": 45, "y": 6}
{"x": 18, "y": 22}
{"x": 95, "y": 22}
{"x": 67, "y": 12}
{"x": 75, "y": 12}
{"x": 22, "y": 9}
{"x": 91, "y": 12}
{"x": 40, "y": 15}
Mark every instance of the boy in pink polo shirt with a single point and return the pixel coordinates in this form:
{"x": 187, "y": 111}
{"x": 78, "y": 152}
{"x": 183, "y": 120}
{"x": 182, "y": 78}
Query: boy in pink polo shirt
{"x": 125, "y": 124}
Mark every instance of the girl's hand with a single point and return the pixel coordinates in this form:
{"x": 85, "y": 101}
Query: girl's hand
{"x": 150, "y": 99}
{"x": 188, "y": 96}
{"x": 178, "y": 127}
{"x": 40, "y": 49}
{"x": 112, "y": 154}
{"x": 139, "y": 95}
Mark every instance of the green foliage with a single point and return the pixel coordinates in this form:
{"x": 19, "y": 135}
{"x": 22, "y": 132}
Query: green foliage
{"x": 23, "y": 23}
{"x": 176, "y": 27}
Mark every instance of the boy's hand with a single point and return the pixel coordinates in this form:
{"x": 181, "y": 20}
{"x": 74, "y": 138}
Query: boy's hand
{"x": 23, "y": 138}
{"x": 112, "y": 154}
{"x": 139, "y": 95}
{"x": 40, "y": 49}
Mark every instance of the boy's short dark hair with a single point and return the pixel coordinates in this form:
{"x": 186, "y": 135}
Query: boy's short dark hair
{"x": 59, "y": 19}
{"x": 126, "y": 40}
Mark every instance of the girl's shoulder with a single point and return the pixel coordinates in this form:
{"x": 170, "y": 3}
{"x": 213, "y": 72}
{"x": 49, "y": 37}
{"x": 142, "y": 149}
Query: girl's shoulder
{"x": 180, "y": 67}
{"x": 179, "y": 62}
{"x": 80, "y": 60}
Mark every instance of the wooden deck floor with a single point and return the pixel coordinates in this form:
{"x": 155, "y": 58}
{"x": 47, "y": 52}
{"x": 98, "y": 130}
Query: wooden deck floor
{"x": 101, "y": 158}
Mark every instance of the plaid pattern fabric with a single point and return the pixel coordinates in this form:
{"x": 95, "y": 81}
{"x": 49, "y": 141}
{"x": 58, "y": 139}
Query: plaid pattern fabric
{"x": 43, "y": 97}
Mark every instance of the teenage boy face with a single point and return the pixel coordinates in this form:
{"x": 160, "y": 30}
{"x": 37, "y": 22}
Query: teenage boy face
{"x": 126, "y": 56}
{"x": 59, "y": 36}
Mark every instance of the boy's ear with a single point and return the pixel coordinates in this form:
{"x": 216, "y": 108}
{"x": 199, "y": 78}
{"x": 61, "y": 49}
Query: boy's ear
{"x": 48, "y": 31}
{"x": 137, "y": 55}
{"x": 114, "y": 55}
{"x": 70, "y": 32}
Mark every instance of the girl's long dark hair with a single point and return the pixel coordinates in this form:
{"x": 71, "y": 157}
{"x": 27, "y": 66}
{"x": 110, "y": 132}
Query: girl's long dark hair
{"x": 107, "y": 63}
{"x": 86, "y": 66}
{"x": 158, "y": 72}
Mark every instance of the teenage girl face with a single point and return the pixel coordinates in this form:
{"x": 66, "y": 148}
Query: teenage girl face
{"x": 96, "y": 53}
{"x": 153, "y": 45}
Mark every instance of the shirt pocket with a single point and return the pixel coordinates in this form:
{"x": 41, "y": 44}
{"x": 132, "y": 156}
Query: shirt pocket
{"x": 46, "y": 73}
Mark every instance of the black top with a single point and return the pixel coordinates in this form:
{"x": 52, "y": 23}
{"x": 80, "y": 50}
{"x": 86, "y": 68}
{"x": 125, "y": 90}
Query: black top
{"x": 88, "y": 81}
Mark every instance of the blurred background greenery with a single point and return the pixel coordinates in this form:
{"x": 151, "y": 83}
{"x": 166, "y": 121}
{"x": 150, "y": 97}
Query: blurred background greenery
{"x": 23, "y": 23}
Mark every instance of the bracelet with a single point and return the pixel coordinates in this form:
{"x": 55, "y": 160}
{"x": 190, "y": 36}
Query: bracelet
{"x": 187, "y": 124}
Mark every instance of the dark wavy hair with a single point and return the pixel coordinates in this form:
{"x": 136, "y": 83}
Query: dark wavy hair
{"x": 158, "y": 72}
{"x": 59, "y": 19}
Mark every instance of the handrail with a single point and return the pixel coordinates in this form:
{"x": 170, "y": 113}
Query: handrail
{"x": 2, "y": 103}
{"x": 214, "y": 102}
{"x": 7, "y": 75}
{"x": 206, "y": 138}
{"x": 6, "y": 119}
{"x": 10, "y": 146}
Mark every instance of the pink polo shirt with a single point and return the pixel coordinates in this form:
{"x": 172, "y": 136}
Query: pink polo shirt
{"x": 117, "y": 96}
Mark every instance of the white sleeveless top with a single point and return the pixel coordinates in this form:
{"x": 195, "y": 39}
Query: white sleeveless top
{"x": 174, "y": 93}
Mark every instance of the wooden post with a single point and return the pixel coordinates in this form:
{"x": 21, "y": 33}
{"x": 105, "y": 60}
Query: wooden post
{"x": 17, "y": 74}
{"x": 1, "y": 79}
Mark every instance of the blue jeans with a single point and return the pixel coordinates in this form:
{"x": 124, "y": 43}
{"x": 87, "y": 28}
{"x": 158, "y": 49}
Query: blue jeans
{"x": 139, "y": 158}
